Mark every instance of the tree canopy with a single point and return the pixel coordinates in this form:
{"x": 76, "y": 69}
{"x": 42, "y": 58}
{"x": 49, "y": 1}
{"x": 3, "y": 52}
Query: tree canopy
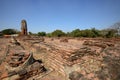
{"x": 76, "y": 33}
{"x": 41, "y": 33}
{"x": 108, "y": 33}
{"x": 58, "y": 33}
{"x": 9, "y": 31}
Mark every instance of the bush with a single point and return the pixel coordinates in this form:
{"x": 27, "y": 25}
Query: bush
{"x": 76, "y": 33}
{"x": 49, "y": 35}
{"x": 58, "y": 33}
{"x": 41, "y": 33}
{"x": 87, "y": 33}
{"x": 111, "y": 33}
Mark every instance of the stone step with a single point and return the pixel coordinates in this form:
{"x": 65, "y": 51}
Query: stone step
{"x": 57, "y": 67}
{"x": 56, "y": 57}
{"x": 52, "y": 61}
{"x": 56, "y": 60}
{"x": 60, "y": 60}
{"x": 55, "y": 63}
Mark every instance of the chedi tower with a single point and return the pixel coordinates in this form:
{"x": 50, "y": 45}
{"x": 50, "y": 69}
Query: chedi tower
{"x": 23, "y": 27}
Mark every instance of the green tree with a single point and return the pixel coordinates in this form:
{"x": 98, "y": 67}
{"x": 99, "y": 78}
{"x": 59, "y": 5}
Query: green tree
{"x": 30, "y": 33}
{"x": 49, "y": 34}
{"x": 87, "y": 33}
{"x": 96, "y": 32}
{"x": 76, "y": 33}
{"x": 111, "y": 33}
{"x": 58, "y": 33}
{"x": 1, "y": 33}
{"x": 41, "y": 33}
{"x": 68, "y": 34}
{"x": 9, "y": 31}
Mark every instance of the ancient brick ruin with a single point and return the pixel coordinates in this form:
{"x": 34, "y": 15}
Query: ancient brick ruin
{"x": 18, "y": 63}
{"x": 23, "y": 27}
{"x": 87, "y": 58}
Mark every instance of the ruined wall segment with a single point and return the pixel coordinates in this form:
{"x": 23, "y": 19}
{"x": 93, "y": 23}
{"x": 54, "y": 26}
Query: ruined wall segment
{"x": 24, "y": 27}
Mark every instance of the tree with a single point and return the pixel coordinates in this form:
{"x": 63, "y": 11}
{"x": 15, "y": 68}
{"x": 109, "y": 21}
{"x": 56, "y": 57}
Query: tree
{"x": 49, "y": 34}
{"x": 87, "y": 33}
{"x": 68, "y": 34}
{"x": 9, "y": 31}
{"x": 96, "y": 32}
{"x": 41, "y": 33}
{"x": 30, "y": 33}
{"x": 1, "y": 33}
{"x": 76, "y": 33}
{"x": 111, "y": 33}
{"x": 58, "y": 33}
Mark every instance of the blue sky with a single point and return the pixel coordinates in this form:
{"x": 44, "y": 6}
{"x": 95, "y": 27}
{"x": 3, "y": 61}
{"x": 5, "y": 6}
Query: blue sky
{"x": 67, "y": 15}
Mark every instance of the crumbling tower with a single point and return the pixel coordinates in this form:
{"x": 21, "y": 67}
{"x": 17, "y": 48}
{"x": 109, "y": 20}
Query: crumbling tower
{"x": 23, "y": 27}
